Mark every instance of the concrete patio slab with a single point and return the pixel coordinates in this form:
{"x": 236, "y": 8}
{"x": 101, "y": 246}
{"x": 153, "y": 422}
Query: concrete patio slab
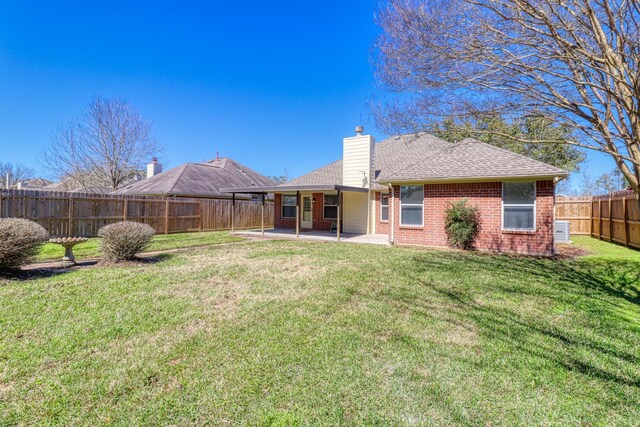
{"x": 317, "y": 235}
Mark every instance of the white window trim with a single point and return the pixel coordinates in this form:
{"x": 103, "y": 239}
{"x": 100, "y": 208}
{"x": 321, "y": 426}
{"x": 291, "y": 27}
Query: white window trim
{"x": 324, "y": 204}
{"x": 283, "y": 205}
{"x": 381, "y": 205}
{"x": 535, "y": 209}
{"x": 412, "y": 204}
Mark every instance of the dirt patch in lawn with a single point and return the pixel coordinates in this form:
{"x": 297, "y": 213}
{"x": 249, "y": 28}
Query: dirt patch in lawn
{"x": 568, "y": 251}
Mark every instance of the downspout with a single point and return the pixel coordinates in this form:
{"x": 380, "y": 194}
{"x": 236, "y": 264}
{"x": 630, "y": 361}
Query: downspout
{"x": 393, "y": 215}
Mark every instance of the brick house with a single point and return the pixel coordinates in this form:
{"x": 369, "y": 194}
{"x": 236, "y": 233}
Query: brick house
{"x": 402, "y": 186}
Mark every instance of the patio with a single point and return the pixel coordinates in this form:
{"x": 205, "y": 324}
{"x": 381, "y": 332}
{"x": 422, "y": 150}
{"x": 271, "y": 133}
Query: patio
{"x": 316, "y": 235}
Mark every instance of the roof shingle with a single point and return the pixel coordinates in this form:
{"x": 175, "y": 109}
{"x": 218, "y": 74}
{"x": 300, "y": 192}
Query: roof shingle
{"x": 199, "y": 180}
{"x": 424, "y": 157}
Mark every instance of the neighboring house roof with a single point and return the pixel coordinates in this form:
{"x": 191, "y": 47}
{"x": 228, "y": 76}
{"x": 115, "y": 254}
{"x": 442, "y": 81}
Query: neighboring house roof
{"x": 199, "y": 180}
{"x": 73, "y": 185}
{"x": 32, "y": 184}
{"x": 424, "y": 157}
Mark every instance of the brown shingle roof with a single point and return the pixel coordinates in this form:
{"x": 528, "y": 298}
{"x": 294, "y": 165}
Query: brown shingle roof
{"x": 199, "y": 180}
{"x": 421, "y": 156}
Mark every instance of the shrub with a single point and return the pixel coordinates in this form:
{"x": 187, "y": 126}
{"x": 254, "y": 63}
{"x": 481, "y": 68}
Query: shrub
{"x": 20, "y": 240}
{"x": 462, "y": 224}
{"x": 123, "y": 240}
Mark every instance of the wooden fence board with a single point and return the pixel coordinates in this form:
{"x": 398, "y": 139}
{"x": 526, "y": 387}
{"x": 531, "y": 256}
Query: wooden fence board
{"x": 79, "y": 214}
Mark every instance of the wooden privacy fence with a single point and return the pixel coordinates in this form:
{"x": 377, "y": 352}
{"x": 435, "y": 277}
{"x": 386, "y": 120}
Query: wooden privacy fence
{"x": 576, "y": 210}
{"x": 614, "y": 217}
{"x": 80, "y": 214}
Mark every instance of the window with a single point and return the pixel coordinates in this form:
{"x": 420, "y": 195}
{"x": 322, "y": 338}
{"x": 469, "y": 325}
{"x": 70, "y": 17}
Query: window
{"x": 412, "y": 205}
{"x": 330, "y": 206}
{"x": 288, "y": 206}
{"x": 518, "y": 205}
{"x": 384, "y": 207}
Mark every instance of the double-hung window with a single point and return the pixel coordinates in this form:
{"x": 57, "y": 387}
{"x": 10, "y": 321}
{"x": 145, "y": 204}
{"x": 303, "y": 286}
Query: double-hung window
{"x": 330, "y": 206}
{"x": 412, "y": 205}
{"x": 384, "y": 206}
{"x": 519, "y": 206}
{"x": 288, "y": 206}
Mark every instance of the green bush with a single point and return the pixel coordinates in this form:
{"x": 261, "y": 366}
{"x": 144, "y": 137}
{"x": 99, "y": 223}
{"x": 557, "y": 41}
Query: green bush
{"x": 123, "y": 240}
{"x": 20, "y": 240}
{"x": 462, "y": 224}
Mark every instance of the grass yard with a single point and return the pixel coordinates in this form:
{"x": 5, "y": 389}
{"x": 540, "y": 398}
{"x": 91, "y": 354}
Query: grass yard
{"x": 301, "y": 333}
{"x": 161, "y": 242}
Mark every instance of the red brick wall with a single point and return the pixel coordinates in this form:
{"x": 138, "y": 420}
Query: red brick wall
{"x": 382, "y": 227}
{"x": 487, "y": 196}
{"x": 319, "y": 223}
{"x": 280, "y": 222}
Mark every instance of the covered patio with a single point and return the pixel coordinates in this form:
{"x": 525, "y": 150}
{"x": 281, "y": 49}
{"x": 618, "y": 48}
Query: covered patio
{"x": 301, "y": 209}
{"x": 316, "y": 235}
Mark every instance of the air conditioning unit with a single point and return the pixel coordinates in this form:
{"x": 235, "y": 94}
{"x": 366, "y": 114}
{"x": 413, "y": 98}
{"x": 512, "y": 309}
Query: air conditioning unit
{"x": 561, "y": 233}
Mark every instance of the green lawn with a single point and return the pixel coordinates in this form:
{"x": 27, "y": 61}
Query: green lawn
{"x": 91, "y": 248}
{"x": 300, "y": 333}
{"x": 603, "y": 250}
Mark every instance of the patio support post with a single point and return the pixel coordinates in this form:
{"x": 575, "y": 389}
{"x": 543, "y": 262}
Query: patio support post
{"x": 338, "y": 218}
{"x": 233, "y": 211}
{"x": 298, "y": 214}
{"x": 262, "y": 219}
{"x": 393, "y": 214}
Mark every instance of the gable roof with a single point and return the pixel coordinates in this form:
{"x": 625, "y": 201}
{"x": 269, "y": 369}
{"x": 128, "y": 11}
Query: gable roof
{"x": 199, "y": 180}
{"x": 424, "y": 157}
{"x": 32, "y": 184}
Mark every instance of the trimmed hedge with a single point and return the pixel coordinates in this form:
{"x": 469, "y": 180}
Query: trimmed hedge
{"x": 20, "y": 240}
{"x": 123, "y": 240}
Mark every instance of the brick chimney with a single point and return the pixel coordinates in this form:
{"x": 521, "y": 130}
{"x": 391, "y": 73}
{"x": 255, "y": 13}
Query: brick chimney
{"x": 153, "y": 168}
{"x": 358, "y": 160}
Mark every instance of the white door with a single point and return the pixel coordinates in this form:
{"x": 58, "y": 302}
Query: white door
{"x": 306, "y": 218}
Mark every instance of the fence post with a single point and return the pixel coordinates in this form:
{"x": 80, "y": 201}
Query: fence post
{"x": 125, "y": 208}
{"x": 610, "y": 220}
{"x": 166, "y": 216}
{"x": 233, "y": 209}
{"x": 600, "y": 219}
{"x": 0, "y": 205}
{"x": 626, "y": 223}
{"x": 200, "y": 215}
{"x": 591, "y": 217}
{"x": 262, "y": 219}
{"x": 70, "y": 231}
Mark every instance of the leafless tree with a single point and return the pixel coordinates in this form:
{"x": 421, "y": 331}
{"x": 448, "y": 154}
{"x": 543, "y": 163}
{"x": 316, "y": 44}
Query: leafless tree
{"x": 105, "y": 148}
{"x": 587, "y": 183}
{"x": 18, "y": 172}
{"x": 574, "y": 62}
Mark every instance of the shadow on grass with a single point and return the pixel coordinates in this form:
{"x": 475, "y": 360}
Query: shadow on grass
{"x": 601, "y": 289}
{"x": 56, "y": 270}
{"x": 32, "y": 274}
{"x": 137, "y": 261}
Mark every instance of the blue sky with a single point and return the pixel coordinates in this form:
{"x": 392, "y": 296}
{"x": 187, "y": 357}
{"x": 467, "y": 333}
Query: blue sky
{"x": 274, "y": 85}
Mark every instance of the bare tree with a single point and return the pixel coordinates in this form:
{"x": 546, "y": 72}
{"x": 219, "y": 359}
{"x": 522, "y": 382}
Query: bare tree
{"x": 587, "y": 183}
{"x": 573, "y": 62}
{"x": 105, "y": 148}
{"x": 281, "y": 179}
{"x": 610, "y": 182}
{"x": 18, "y": 172}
